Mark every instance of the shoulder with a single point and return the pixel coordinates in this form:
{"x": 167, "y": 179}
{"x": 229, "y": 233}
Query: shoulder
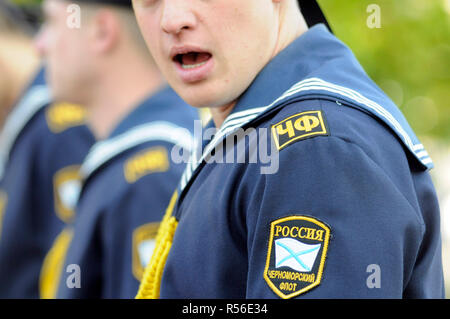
{"x": 324, "y": 143}
{"x": 145, "y": 161}
{"x": 59, "y": 132}
{"x": 139, "y": 183}
{"x": 324, "y": 121}
{"x": 132, "y": 172}
{"x": 62, "y": 116}
{"x": 331, "y": 159}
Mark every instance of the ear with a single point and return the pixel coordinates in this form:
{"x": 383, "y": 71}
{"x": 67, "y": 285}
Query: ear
{"x": 105, "y": 31}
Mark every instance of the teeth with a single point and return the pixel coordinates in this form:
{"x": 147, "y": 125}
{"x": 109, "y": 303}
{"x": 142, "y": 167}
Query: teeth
{"x": 192, "y": 66}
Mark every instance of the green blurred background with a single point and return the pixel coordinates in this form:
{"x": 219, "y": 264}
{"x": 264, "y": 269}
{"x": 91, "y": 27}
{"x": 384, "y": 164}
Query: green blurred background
{"x": 408, "y": 56}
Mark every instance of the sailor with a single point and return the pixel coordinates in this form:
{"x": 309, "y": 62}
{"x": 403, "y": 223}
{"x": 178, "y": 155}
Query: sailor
{"x": 349, "y": 211}
{"x": 42, "y": 145}
{"x": 129, "y": 174}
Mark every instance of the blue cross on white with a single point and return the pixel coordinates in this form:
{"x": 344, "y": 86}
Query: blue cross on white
{"x": 295, "y": 254}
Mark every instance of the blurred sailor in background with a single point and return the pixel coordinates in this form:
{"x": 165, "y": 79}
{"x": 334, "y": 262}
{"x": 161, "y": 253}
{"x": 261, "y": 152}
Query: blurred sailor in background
{"x": 42, "y": 145}
{"x": 128, "y": 176}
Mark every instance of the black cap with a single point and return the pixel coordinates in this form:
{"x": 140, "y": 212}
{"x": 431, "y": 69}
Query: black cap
{"x": 122, "y": 3}
{"x": 312, "y": 13}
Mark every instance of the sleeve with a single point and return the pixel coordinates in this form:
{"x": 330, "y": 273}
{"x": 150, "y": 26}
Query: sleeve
{"x": 330, "y": 224}
{"x": 112, "y": 242}
{"x": 427, "y": 279}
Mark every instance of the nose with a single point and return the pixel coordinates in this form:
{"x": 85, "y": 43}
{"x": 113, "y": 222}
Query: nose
{"x": 177, "y": 16}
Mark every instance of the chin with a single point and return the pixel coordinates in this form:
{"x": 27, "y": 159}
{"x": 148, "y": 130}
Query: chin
{"x": 201, "y": 100}
{"x": 190, "y": 95}
{"x": 202, "y": 96}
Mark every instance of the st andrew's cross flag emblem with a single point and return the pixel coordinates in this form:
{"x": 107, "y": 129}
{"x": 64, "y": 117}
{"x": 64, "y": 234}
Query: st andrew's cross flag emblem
{"x": 296, "y": 255}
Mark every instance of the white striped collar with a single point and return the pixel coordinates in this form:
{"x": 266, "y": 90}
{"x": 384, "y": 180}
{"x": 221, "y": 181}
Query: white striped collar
{"x": 104, "y": 151}
{"x": 304, "y": 88}
{"x": 34, "y": 100}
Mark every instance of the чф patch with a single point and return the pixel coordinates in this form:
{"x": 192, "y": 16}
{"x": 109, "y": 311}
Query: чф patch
{"x": 296, "y": 255}
{"x": 299, "y": 127}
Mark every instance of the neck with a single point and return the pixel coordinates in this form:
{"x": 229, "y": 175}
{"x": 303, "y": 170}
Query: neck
{"x": 219, "y": 114}
{"x": 291, "y": 26}
{"x": 119, "y": 94}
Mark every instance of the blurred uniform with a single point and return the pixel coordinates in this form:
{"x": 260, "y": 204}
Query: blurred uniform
{"x": 127, "y": 182}
{"x": 42, "y": 147}
{"x": 351, "y": 196}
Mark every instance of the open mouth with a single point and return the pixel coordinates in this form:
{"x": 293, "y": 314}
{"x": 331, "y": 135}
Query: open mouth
{"x": 192, "y": 60}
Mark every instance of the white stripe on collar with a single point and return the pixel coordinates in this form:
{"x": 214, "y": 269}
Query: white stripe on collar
{"x": 104, "y": 151}
{"x": 35, "y": 99}
{"x": 239, "y": 119}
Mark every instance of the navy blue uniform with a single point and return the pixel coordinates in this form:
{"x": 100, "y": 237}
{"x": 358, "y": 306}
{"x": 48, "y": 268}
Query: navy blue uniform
{"x": 127, "y": 183}
{"x": 42, "y": 148}
{"x": 344, "y": 209}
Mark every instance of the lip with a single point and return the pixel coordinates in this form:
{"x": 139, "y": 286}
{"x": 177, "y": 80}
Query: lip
{"x": 191, "y": 75}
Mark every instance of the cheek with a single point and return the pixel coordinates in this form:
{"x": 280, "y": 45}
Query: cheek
{"x": 244, "y": 39}
{"x": 148, "y": 24}
{"x": 58, "y": 47}
{"x": 151, "y": 33}
{"x": 67, "y": 59}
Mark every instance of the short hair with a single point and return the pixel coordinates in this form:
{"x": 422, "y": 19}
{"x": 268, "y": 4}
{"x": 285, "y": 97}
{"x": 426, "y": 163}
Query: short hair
{"x": 127, "y": 20}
